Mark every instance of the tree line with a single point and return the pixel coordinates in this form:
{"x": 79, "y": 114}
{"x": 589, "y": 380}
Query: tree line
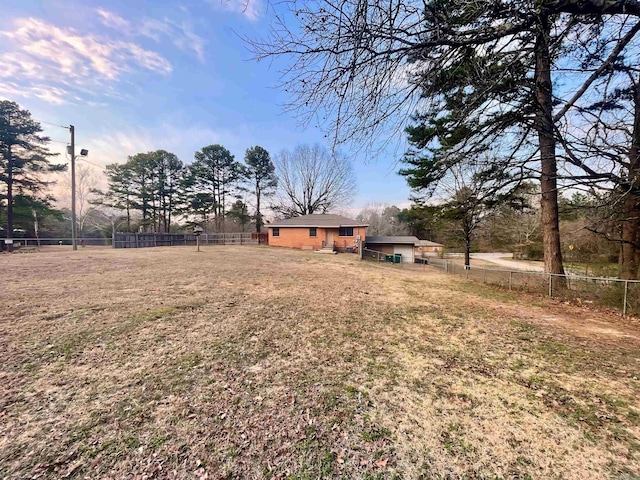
{"x": 157, "y": 192}
{"x": 214, "y": 189}
{"x": 466, "y": 224}
{"x": 156, "y": 187}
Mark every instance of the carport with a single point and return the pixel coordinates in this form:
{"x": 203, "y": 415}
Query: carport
{"x": 388, "y": 245}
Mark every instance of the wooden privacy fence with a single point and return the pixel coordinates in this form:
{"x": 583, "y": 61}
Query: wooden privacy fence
{"x": 144, "y": 240}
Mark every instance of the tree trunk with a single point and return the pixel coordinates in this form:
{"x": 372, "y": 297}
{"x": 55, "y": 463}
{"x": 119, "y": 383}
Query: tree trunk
{"x": 258, "y": 214}
{"x": 216, "y": 208}
{"x": 631, "y": 205}
{"x": 9, "y": 199}
{"x": 547, "y": 145}
{"x": 630, "y": 224}
{"x": 467, "y": 253}
{"x": 36, "y": 227}
{"x": 223, "y": 220}
{"x": 169, "y": 211}
{"x": 128, "y": 215}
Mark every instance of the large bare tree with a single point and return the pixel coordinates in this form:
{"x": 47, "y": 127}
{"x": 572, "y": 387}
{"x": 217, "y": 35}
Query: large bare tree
{"x": 312, "y": 179}
{"x": 87, "y": 181}
{"x": 383, "y": 220}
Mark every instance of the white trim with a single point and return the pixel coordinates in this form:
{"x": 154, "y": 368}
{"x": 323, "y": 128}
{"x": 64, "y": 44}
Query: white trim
{"x": 316, "y": 226}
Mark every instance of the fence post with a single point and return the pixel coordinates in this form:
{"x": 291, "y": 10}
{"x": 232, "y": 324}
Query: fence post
{"x": 155, "y": 239}
{"x": 137, "y": 242}
{"x": 484, "y": 275}
{"x": 510, "y": 280}
{"x": 550, "y": 286}
{"x": 626, "y": 290}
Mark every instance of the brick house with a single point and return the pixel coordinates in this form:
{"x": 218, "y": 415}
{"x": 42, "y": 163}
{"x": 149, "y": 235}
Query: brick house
{"x": 425, "y": 248}
{"x": 318, "y": 232}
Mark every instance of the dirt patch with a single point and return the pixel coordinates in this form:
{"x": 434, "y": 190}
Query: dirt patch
{"x": 252, "y": 362}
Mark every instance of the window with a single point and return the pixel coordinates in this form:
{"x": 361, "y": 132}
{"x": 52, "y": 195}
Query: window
{"x": 346, "y": 232}
{"x": 276, "y": 231}
{"x": 313, "y": 232}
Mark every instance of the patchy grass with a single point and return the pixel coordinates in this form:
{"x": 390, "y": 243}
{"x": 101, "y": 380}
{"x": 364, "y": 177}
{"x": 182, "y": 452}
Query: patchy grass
{"x": 254, "y": 362}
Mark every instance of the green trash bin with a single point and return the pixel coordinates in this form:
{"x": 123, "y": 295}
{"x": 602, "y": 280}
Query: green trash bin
{"x": 397, "y": 258}
{"x": 388, "y": 258}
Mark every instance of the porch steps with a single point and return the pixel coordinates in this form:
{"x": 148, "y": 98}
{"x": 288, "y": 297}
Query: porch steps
{"x": 326, "y": 249}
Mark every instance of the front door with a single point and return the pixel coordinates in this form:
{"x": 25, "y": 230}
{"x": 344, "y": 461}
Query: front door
{"x": 329, "y": 237}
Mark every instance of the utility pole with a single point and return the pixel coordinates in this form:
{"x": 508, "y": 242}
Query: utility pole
{"x": 74, "y": 233}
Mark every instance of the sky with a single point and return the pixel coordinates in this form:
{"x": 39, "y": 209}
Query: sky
{"x": 159, "y": 74}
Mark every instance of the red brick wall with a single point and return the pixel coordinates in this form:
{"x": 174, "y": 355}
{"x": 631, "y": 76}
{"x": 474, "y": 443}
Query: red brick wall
{"x": 342, "y": 242}
{"x": 298, "y": 237}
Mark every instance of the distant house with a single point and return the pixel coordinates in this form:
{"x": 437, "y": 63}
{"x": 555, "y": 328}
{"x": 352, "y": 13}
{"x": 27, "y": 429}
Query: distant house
{"x": 318, "y": 232}
{"x": 425, "y": 248}
{"x": 409, "y": 247}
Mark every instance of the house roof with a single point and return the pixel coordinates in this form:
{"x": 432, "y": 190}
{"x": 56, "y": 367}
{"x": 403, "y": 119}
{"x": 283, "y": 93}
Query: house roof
{"x": 428, "y": 243}
{"x": 322, "y": 220}
{"x": 397, "y": 239}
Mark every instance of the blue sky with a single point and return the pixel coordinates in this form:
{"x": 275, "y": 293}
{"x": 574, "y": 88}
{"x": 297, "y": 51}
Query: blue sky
{"x": 142, "y": 75}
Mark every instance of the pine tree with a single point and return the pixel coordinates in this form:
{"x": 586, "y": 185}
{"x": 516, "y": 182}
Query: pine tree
{"x": 260, "y": 173}
{"x": 24, "y": 159}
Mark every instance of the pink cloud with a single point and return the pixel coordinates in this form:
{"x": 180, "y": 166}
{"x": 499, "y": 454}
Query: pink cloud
{"x": 42, "y": 54}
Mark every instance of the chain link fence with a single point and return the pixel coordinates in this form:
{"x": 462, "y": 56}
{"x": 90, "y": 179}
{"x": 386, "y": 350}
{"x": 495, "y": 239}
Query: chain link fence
{"x": 46, "y": 242}
{"x": 377, "y": 256}
{"x": 622, "y": 295}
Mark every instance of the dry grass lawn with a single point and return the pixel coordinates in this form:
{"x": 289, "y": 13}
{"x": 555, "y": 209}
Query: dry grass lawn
{"x": 256, "y": 362}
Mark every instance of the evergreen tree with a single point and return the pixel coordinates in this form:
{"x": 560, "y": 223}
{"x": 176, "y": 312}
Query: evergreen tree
{"x": 212, "y": 178}
{"x": 148, "y": 183}
{"x": 239, "y": 213}
{"x": 119, "y": 194}
{"x": 260, "y": 173}
{"x": 24, "y": 159}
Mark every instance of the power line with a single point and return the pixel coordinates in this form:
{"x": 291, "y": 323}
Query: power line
{"x": 78, "y": 157}
{"x": 50, "y": 140}
{"x": 55, "y": 141}
{"x": 66, "y": 127}
{"x": 90, "y": 163}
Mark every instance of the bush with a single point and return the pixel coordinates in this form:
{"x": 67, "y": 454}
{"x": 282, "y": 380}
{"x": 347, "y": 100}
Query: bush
{"x": 534, "y": 251}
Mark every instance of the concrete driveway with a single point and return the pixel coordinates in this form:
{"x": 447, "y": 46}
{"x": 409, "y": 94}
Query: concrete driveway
{"x": 505, "y": 261}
